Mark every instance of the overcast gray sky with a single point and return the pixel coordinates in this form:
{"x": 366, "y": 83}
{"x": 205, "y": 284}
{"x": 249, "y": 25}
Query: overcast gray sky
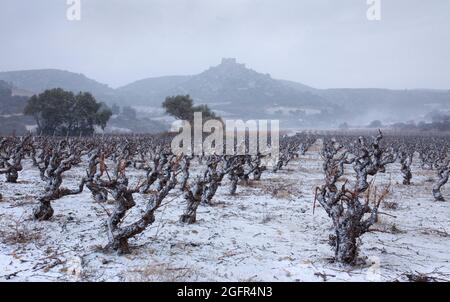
{"x": 322, "y": 43}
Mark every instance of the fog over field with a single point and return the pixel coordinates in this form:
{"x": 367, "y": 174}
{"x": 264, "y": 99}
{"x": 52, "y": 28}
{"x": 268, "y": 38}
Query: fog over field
{"x": 324, "y": 43}
{"x": 327, "y": 53}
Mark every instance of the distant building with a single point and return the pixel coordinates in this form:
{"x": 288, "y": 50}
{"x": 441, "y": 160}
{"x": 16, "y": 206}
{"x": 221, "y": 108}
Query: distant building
{"x": 230, "y": 62}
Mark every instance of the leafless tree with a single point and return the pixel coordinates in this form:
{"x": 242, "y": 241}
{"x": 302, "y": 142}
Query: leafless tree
{"x": 443, "y": 174}
{"x": 12, "y": 152}
{"x": 59, "y": 160}
{"x": 406, "y": 161}
{"x": 122, "y": 192}
{"x": 236, "y": 173}
{"x": 193, "y": 197}
{"x": 344, "y": 205}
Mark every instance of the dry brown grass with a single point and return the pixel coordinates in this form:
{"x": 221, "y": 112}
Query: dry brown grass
{"x": 391, "y": 205}
{"x": 316, "y": 147}
{"x": 440, "y": 233}
{"x": 282, "y": 192}
{"x": 24, "y": 200}
{"x": 386, "y": 227}
{"x": 251, "y": 183}
{"x": 280, "y": 189}
{"x": 161, "y": 272}
{"x": 16, "y": 231}
{"x": 276, "y": 188}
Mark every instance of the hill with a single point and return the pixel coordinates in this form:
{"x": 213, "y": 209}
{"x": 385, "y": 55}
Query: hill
{"x": 236, "y": 91}
{"x": 36, "y": 81}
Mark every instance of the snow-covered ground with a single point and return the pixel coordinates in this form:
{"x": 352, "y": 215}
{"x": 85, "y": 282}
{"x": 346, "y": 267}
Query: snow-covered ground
{"x": 266, "y": 233}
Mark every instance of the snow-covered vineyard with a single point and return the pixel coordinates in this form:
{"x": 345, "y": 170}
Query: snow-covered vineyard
{"x": 334, "y": 208}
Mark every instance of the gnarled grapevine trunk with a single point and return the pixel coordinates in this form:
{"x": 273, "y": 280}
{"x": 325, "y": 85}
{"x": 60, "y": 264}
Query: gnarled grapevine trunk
{"x": 405, "y": 162}
{"x": 12, "y": 161}
{"x": 52, "y": 172}
{"x": 124, "y": 202}
{"x": 121, "y": 235}
{"x": 44, "y": 210}
{"x": 12, "y": 175}
{"x": 99, "y": 194}
{"x": 235, "y": 174}
{"x": 193, "y": 199}
{"x": 342, "y": 205}
{"x": 443, "y": 174}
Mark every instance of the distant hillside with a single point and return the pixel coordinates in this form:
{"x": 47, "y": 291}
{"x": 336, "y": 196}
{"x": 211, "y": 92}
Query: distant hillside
{"x": 36, "y": 81}
{"x": 298, "y": 86}
{"x": 5, "y": 88}
{"x": 11, "y": 107}
{"x": 13, "y": 101}
{"x": 230, "y": 88}
{"x": 151, "y": 90}
{"x": 235, "y": 91}
{"x": 10, "y": 104}
{"x": 363, "y": 105}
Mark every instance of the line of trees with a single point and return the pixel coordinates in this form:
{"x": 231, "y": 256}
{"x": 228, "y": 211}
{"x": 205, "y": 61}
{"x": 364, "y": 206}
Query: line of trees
{"x": 64, "y": 113}
{"x": 60, "y": 112}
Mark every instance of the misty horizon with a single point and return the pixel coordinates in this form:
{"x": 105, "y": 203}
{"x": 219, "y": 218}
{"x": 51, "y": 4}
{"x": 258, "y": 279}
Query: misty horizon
{"x": 206, "y": 67}
{"x": 322, "y": 44}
